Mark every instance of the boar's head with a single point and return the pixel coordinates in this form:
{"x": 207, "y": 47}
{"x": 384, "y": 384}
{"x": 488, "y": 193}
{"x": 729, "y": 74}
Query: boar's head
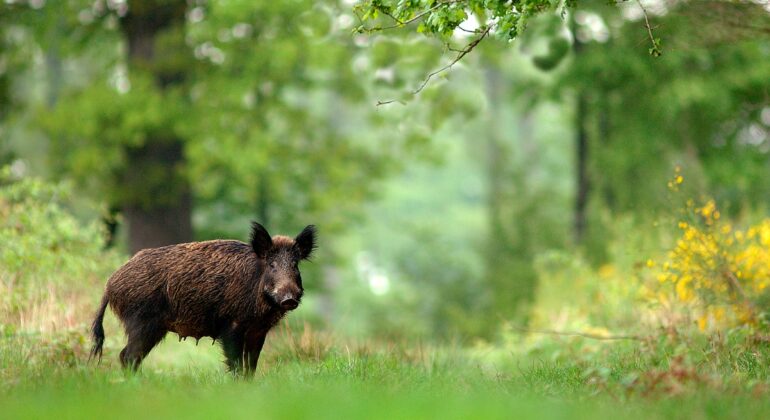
{"x": 281, "y": 281}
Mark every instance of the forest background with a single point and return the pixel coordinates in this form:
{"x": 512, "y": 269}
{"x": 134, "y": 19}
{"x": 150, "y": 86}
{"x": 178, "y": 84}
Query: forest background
{"x": 549, "y": 182}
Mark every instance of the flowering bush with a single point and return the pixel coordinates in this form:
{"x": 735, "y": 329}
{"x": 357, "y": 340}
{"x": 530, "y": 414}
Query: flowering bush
{"x": 717, "y": 270}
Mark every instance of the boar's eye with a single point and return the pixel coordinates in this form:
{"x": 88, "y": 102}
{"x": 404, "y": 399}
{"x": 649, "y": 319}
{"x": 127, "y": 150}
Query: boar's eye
{"x": 272, "y": 264}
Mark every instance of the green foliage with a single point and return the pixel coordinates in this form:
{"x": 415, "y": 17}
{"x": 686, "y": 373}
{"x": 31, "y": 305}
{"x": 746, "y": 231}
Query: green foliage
{"x": 557, "y": 50}
{"x": 279, "y": 127}
{"x": 431, "y": 262}
{"x": 691, "y": 107}
{"x": 441, "y": 18}
{"x": 37, "y": 228}
{"x": 47, "y": 251}
{"x": 268, "y": 114}
{"x": 110, "y": 126}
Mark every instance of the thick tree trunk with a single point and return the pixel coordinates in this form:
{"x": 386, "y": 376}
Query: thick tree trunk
{"x": 158, "y": 204}
{"x": 159, "y": 225}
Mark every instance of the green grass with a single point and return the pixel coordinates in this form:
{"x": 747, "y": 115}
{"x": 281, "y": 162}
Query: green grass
{"x": 313, "y": 375}
{"x": 52, "y": 273}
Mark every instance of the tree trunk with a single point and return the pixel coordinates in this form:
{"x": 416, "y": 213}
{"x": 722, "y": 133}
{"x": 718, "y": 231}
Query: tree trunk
{"x": 159, "y": 208}
{"x": 581, "y": 167}
{"x": 604, "y": 140}
{"x": 581, "y": 150}
{"x": 158, "y": 204}
{"x": 159, "y": 226}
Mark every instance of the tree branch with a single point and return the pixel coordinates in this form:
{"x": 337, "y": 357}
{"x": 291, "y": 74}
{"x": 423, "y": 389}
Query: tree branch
{"x": 582, "y": 334}
{"x": 460, "y": 54}
{"x": 655, "y": 49}
{"x": 400, "y": 23}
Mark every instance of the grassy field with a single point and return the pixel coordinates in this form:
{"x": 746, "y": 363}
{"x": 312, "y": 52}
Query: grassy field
{"x": 52, "y": 273}
{"x": 308, "y": 374}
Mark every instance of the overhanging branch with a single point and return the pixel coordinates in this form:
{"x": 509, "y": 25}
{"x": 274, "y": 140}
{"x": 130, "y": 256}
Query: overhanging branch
{"x": 460, "y": 54}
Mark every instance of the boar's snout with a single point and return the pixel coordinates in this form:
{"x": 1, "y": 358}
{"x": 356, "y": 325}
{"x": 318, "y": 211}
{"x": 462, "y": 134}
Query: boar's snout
{"x": 286, "y": 297}
{"x": 289, "y": 303}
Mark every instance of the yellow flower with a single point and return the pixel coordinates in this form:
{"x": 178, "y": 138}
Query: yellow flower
{"x": 707, "y": 260}
{"x": 606, "y": 271}
{"x": 708, "y": 209}
{"x": 682, "y": 290}
{"x": 719, "y": 314}
{"x": 702, "y": 323}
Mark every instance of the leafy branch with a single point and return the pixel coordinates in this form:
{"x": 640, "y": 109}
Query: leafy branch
{"x": 460, "y": 54}
{"x": 655, "y": 49}
{"x": 504, "y": 18}
{"x": 379, "y": 7}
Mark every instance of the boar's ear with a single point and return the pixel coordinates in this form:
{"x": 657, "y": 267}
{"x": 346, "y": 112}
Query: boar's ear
{"x": 261, "y": 241}
{"x": 305, "y": 242}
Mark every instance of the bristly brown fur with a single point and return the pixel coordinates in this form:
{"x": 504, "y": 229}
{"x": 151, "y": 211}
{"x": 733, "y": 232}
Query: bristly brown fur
{"x": 227, "y": 290}
{"x": 280, "y": 241}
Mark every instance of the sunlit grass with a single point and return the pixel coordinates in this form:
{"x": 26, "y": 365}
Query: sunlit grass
{"x": 311, "y": 374}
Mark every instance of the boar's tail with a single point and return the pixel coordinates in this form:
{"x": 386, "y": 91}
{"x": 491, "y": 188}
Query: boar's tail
{"x": 97, "y": 330}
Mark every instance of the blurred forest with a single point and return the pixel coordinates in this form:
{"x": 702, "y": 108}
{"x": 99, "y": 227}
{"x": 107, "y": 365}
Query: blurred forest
{"x": 504, "y": 184}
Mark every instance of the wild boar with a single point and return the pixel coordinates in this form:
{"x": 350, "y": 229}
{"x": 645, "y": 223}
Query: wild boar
{"x": 228, "y": 290}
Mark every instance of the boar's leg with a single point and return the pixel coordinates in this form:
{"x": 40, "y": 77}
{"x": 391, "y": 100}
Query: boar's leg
{"x": 232, "y": 344}
{"x": 141, "y": 339}
{"x": 242, "y": 350}
{"x": 252, "y": 349}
